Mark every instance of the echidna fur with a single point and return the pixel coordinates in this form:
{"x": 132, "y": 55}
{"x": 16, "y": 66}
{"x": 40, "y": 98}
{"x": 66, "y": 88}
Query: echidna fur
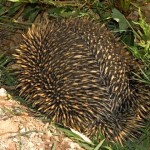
{"x": 77, "y": 73}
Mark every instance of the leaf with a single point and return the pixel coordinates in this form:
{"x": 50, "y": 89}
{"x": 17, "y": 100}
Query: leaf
{"x": 128, "y": 38}
{"x": 107, "y": 147}
{"x": 63, "y": 12}
{"x": 120, "y": 18}
{"x": 99, "y": 145}
{"x": 53, "y": 146}
{"x": 68, "y": 13}
{"x": 54, "y": 12}
{"x": 14, "y": 0}
{"x": 34, "y": 14}
{"x": 2, "y": 9}
{"x": 30, "y": 13}
{"x": 77, "y": 138}
{"x": 12, "y": 10}
{"x": 31, "y": 1}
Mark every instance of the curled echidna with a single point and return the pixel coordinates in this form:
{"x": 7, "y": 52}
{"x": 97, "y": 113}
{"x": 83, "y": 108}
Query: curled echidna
{"x": 78, "y": 74}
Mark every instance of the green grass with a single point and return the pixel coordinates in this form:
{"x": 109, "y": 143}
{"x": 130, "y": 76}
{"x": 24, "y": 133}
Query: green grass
{"x": 139, "y": 45}
{"x": 7, "y": 76}
{"x": 143, "y": 143}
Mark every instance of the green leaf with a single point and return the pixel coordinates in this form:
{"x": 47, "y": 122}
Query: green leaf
{"x": 128, "y": 38}
{"x": 2, "y": 9}
{"x": 55, "y": 12}
{"x": 107, "y": 147}
{"x": 53, "y": 146}
{"x": 77, "y": 138}
{"x": 34, "y": 14}
{"x": 30, "y": 13}
{"x": 14, "y": 0}
{"x": 19, "y": 1}
{"x": 68, "y": 13}
{"x": 12, "y": 10}
{"x": 99, "y": 145}
{"x": 120, "y": 18}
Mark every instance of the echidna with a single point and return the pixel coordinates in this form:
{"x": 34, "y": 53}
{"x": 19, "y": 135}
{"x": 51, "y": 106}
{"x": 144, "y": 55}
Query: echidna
{"x": 77, "y": 73}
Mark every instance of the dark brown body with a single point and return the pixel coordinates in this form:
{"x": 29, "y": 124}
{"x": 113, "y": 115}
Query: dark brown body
{"x": 78, "y": 74}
